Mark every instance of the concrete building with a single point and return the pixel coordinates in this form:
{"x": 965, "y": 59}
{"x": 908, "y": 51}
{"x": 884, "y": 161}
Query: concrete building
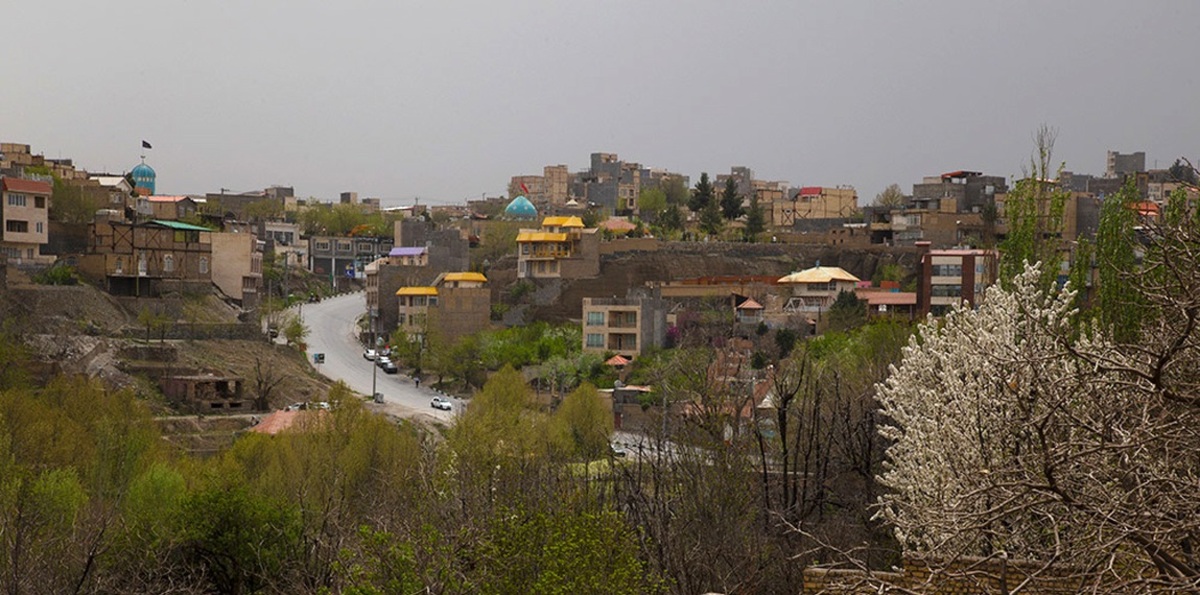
{"x": 561, "y": 249}
{"x": 948, "y": 277}
{"x": 344, "y": 258}
{"x": 422, "y": 251}
{"x": 237, "y": 267}
{"x": 455, "y": 305}
{"x": 1118, "y": 164}
{"x": 624, "y": 326}
{"x": 958, "y": 191}
{"x": 348, "y": 198}
{"x": 24, "y": 220}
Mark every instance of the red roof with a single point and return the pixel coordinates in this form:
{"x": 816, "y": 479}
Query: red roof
{"x": 617, "y": 361}
{"x": 30, "y": 186}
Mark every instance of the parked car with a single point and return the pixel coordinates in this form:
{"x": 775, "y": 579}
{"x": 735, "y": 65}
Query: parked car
{"x": 615, "y": 450}
{"x": 389, "y": 367}
{"x": 369, "y": 354}
{"x": 381, "y": 360}
{"x": 440, "y": 403}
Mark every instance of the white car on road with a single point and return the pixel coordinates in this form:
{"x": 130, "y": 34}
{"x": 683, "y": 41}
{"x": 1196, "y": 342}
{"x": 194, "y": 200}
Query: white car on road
{"x": 440, "y": 403}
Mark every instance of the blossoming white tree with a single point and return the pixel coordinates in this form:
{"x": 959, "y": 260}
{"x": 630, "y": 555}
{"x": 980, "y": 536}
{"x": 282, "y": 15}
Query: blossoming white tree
{"x": 1020, "y": 433}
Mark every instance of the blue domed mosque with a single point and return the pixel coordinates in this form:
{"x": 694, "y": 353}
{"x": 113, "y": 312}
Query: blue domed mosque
{"x": 143, "y": 178}
{"x": 520, "y": 208}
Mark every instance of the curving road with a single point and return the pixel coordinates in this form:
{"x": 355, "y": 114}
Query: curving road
{"x": 332, "y": 331}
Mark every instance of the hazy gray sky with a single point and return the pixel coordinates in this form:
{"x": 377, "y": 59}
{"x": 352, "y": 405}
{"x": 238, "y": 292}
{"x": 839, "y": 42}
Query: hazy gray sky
{"x": 448, "y": 100}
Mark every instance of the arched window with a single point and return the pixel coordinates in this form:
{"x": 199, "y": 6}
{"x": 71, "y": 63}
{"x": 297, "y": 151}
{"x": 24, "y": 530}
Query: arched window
{"x": 203, "y": 265}
{"x": 168, "y": 264}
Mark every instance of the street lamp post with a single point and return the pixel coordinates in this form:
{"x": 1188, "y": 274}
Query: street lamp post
{"x": 374, "y": 364}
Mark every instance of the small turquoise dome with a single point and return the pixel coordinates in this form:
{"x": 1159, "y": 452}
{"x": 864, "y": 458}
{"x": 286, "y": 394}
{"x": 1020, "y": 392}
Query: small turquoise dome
{"x": 521, "y": 208}
{"x": 143, "y": 177}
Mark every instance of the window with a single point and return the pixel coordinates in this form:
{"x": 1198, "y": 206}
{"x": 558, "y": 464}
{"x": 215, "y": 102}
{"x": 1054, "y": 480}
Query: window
{"x": 16, "y": 226}
{"x": 946, "y": 290}
{"x": 120, "y": 266}
{"x": 323, "y": 246}
{"x": 203, "y": 265}
{"x": 39, "y": 202}
{"x": 595, "y": 319}
{"x": 41, "y": 227}
{"x": 168, "y": 264}
{"x": 946, "y": 270}
{"x": 595, "y": 340}
{"x": 16, "y": 200}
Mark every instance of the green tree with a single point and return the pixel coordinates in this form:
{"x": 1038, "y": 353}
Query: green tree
{"x": 1183, "y": 171}
{"x": 675, "y": 189}
{"x": 702, "y": 195}
{"x": 731, "y": 200}
{"x": 1033, "y": 211}
{"x": 711, "y": 221}
{"x": 651, "y": 202}
{"x": 294, "y": 330}
{"x": 847, "y": 312}
{"x": 1120, "y": 308}
{"x": 671, "y": 218}
{"x": 755, "y": 220}
{"x": 584, "y": 423}
{"x": 71, "y": 203}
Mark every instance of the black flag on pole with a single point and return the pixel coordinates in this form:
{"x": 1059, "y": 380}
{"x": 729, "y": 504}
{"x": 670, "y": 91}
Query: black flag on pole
{"x": 146, "y": 145}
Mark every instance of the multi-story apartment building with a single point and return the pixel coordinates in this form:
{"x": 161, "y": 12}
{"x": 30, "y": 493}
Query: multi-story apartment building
{"x": 948, "y": 277}
{"x": 562, "y": 248}
{"x": 148, "y": 259}
{"x": 283, "y": 239}
{"x": 1118, "y": 164}
{"x": 24, "y": 220}
{"x": 957, "y": 192}
{"x": 344, "y": 257}
{"x": 623, "y": 326}
{"x": 453, "y": 306}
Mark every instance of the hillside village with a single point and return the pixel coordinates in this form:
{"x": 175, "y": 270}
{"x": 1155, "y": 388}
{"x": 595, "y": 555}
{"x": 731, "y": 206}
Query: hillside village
{"x": 696, "y": 372}
{"x": 630, "y": 255}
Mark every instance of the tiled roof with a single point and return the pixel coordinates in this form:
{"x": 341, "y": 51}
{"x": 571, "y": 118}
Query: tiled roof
{"x": 819, "y": 275}
{"x": 30, "y": 186}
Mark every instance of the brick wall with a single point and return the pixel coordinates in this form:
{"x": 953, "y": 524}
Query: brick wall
{"x": 962, "y": 576}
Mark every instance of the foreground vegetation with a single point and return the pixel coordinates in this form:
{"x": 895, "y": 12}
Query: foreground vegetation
{"x": 93, "y": 500}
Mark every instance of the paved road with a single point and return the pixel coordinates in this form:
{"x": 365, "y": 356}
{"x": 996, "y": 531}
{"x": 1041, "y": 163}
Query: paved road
{"x": 332, "y": 331}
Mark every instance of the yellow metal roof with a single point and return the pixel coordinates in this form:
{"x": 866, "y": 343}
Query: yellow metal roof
{"x": 562, "y": 222}
{"x": 465, "y": 277}
{"x": 417, "y": 291}
{"x": 541, "y": 236}
{"x": 819, "y": 275}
